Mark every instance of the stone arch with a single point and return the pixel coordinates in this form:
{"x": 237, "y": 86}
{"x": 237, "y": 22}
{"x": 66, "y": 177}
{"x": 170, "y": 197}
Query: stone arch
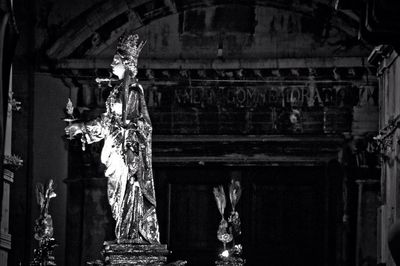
{"x": 112, "y": 18}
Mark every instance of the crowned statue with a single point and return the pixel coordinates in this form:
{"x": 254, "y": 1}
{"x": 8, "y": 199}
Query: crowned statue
{"x": 127, "y": 131}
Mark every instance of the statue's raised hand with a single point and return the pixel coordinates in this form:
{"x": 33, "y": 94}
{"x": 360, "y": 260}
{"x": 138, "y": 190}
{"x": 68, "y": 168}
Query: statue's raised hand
{"x": 74, "y": 129}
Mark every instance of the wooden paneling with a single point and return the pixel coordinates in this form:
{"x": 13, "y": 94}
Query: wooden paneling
{"x": 191, "y": 221}
{"x": 286, "y": 218}
{"x": 284, "y": 186}
{"x": 283, "y": 213}
{"x": 244, "y": 150}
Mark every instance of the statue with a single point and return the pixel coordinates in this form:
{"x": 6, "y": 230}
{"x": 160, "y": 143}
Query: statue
{"x": 127, "y": 154}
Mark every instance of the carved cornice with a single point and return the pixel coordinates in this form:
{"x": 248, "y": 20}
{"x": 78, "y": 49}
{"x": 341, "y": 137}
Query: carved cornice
{"x": 286, "y": 70}
{"x": 237, "y": 150}
{"x": 253, "y": 63}
{"x": 378, "y": 54}
{"x": 262, "y": 150}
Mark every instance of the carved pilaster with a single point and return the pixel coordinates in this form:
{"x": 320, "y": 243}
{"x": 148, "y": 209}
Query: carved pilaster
{"x": 5, "y": 237}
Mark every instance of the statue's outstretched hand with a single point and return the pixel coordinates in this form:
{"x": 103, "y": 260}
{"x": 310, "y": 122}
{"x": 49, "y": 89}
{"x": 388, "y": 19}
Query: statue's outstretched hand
{"x": 73, "y": 129}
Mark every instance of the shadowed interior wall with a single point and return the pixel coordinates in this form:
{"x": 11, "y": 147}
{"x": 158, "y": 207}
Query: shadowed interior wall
{"x": 264, "y": 33}
{"x": 50, "y": 153}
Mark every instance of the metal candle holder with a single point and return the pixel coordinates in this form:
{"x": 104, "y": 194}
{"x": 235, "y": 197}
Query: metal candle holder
{"x": 231, "y": 229}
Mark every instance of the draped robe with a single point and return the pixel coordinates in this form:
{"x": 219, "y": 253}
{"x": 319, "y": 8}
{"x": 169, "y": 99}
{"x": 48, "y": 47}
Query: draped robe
{"x": 127, "y": 156}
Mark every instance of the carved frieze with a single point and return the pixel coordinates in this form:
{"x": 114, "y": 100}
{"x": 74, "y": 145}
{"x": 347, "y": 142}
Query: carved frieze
{"x": 312, "y": 100}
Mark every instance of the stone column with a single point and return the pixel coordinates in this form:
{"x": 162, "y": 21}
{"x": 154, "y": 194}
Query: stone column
{"x": 8, "y": 179}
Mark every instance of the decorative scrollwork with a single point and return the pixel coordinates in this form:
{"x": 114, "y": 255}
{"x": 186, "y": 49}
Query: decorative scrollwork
{"x": 15, "y": 105}
{"x": 385, "y": 138}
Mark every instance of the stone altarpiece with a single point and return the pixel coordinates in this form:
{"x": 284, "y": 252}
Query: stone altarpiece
{"x": 214, "y": 124}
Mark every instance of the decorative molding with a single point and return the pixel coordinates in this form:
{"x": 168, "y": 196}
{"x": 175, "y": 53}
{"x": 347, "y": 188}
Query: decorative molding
{"x": 252, "y": 138}
{"x": 390, "y": 57}
{"x": 255, "y": 63}
{"x": 236, "y": 160}
{"x": 8, "y": 176}
{"x": 349, "y": 71}
{"x": 5, "y": 240}
{"x": 249, "y": 150}
{"x": 378, "y": 54}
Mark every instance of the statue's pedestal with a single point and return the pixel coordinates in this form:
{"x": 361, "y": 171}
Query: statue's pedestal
{"x": 230, "y": 262}
{"x": 135, "y": 254}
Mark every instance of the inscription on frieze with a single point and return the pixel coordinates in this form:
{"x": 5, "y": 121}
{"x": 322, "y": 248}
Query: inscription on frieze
{"x": 264, "y": 96}
{"x": 261, "y": 109}
{"x": 234, "y": 108}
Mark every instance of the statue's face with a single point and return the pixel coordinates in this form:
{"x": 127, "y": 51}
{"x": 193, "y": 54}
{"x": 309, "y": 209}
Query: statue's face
{"x": 118, "y": 67}
{"x": 117, "y": 108}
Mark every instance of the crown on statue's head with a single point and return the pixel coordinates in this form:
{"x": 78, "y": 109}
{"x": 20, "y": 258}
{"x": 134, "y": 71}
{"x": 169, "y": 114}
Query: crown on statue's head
{"x": 128, "y": 45}
{"x": 128, "y": 49}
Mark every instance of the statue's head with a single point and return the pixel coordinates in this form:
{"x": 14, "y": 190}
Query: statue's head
{"x": 127, "y": 54}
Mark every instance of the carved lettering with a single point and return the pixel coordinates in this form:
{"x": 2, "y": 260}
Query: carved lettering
{"x": 263, "y": 96}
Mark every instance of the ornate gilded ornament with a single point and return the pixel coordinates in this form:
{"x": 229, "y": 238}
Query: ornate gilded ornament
{"x": 69, "y": 108}
{"x": 222, "y": 234}
{"x": 385, "y": 139}
{"x": 229, "y": 230}
{"x": 43, "y": 229}
{"x": 12, "y": 162}
{"x": 129, "y": 49}
{"x": 235, "y": 191}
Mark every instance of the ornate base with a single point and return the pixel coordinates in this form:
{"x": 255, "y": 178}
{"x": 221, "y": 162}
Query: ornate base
{"x": 134, "y": 254}
{"x": 230, "y": 262}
